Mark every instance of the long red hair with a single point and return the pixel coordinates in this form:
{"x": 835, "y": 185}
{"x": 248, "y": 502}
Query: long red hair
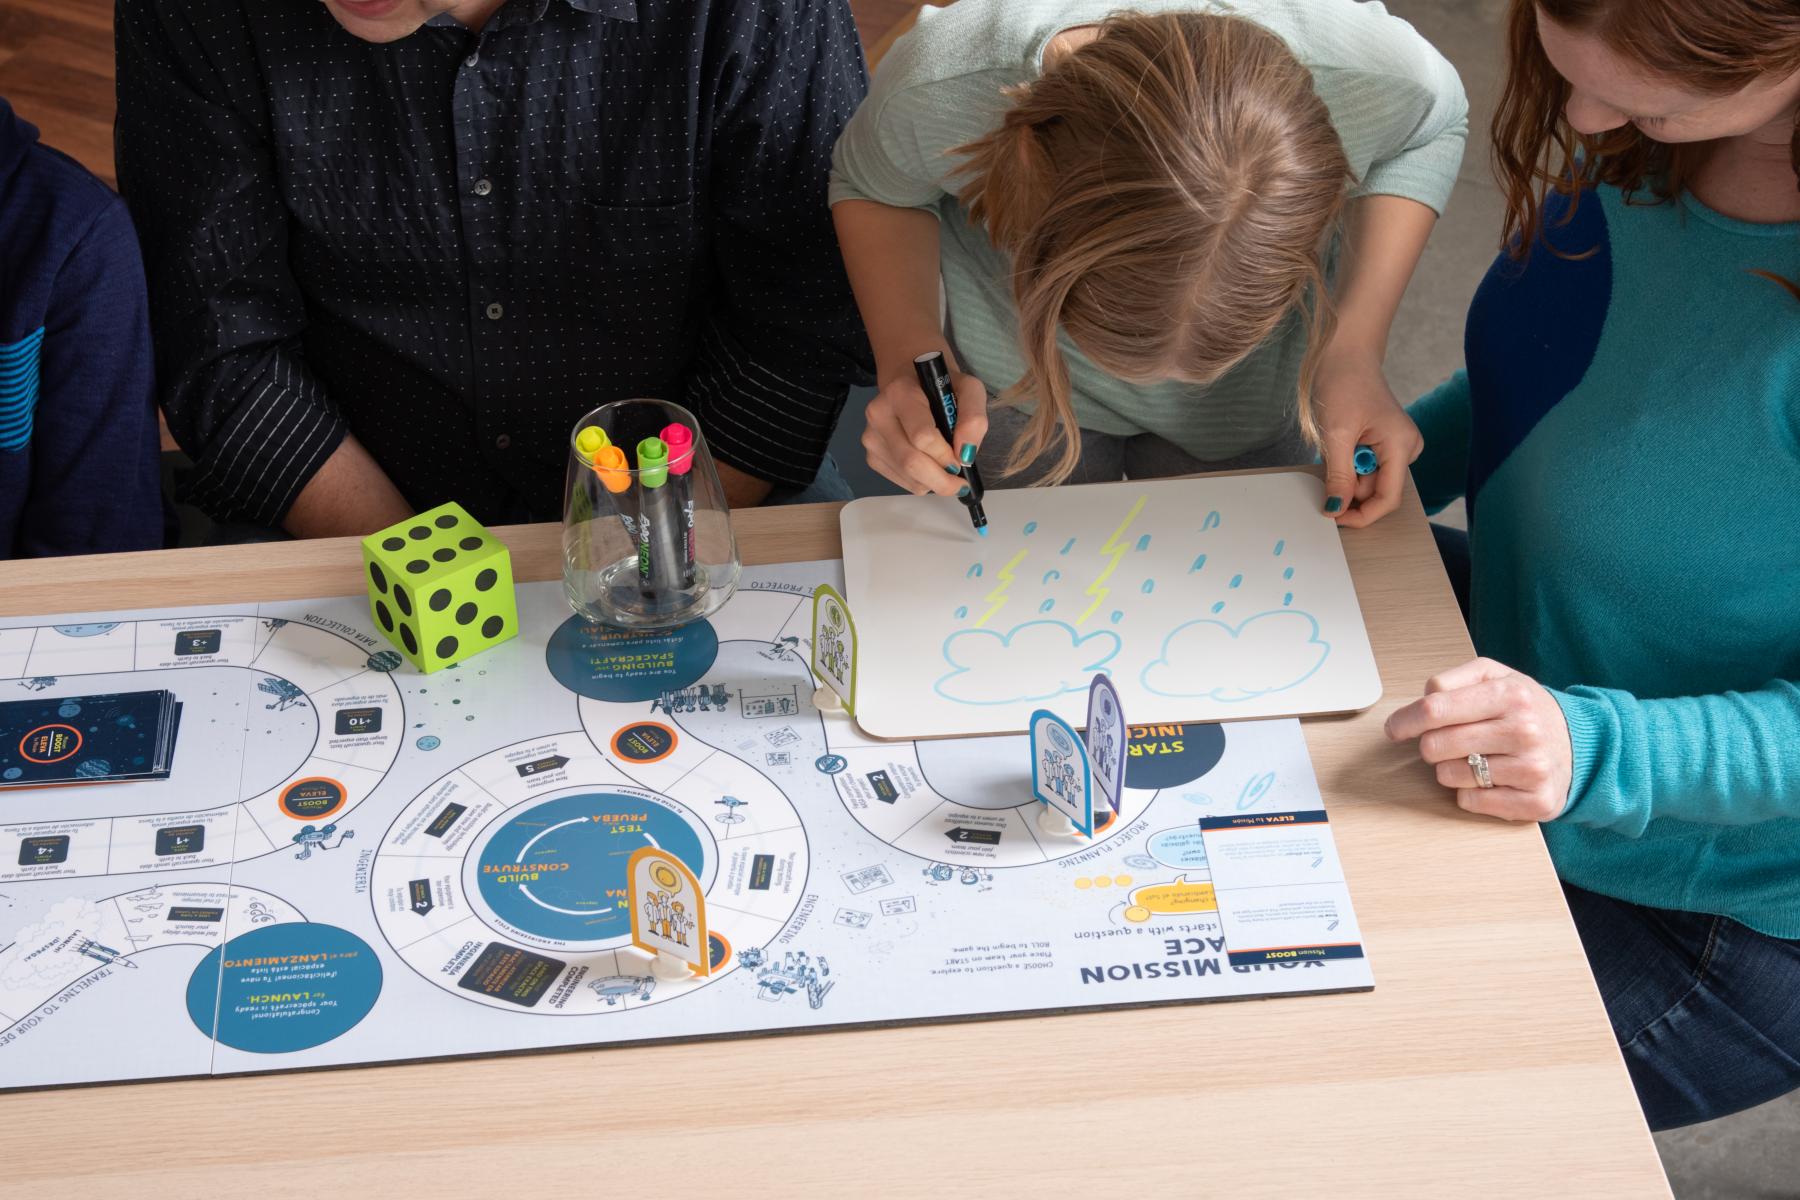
{"x": 1712, "y": 46}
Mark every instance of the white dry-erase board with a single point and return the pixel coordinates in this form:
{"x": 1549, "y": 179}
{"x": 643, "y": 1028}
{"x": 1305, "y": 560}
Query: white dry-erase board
{"x": 1205, "y": 599}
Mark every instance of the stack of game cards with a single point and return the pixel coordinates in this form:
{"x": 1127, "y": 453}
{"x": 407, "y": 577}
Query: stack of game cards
{"x": 122, "y": 737}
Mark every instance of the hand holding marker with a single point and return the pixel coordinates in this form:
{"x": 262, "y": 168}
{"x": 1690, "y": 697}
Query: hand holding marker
{"x": 940, "y": 395}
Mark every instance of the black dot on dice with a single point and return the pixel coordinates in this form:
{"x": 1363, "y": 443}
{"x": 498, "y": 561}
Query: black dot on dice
{"x": 446, "y": 521}
{"x": 384, "y": 616}
{"x": 486, "y": 580}
{"x": 466, "y": 613}
{"x": 443, "y": 555}
{"x": 393, "y": 543}
{"x": 406, "y": 635}
{"x": 417, "y": 566}
{"x": 470, "y": 543}
{"x": 492, "y": 627}
{"x": 440, "y": 600}
{"x": 404, "y": 601}
{"x": 377, "y": 577}
{"x": 418, "y": 533}
{"x": 446, "y": 647}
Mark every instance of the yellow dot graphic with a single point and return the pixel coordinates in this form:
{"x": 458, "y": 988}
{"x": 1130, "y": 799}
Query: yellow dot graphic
{"x": 1122, "y": 880}
{"x": 1103, "y": 881}
{"x": 1084, "y": 883}
{"x": 1137, "y": 913}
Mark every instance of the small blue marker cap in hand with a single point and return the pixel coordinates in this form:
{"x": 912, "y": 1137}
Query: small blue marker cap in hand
{"x": 1365, "y": 461}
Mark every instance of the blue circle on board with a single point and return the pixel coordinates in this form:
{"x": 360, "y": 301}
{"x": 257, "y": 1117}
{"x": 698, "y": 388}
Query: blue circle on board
{"x": 1160, "y": 756}
{"x": 68, "y": 708}
{"x": 11, "y": 773}
{"x": 558, "y": 869}
{"x": 282, "y": 988}
{"x": 831, "y": 764}
{"x": 91, "y": 630}
{"x": 428, "y": 742}
{"x": 624, "y": 665}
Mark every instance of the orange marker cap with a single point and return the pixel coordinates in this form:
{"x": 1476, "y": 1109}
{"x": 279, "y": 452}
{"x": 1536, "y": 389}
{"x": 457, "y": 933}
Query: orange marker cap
{"x": 609, "y": 464}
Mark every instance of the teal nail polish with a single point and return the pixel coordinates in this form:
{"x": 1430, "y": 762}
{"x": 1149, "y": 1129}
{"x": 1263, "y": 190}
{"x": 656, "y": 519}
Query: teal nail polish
{"x": 954, "y": 470}
{"x": 968, "y": 455}
{"x": 962, "y": 494}
{"x": 1332, "y": 505}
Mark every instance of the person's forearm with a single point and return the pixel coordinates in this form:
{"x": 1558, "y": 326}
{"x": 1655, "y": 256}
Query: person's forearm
{"x": 1727, "y": 759}
{"x": 349, "y": 496}
{"x": 1384, "y": 238}
{"x": 891, "y": 256}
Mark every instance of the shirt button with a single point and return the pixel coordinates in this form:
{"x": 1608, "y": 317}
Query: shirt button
{"x": 483, "y": 187}
{"x": 502, "y": 442}
{"x": 472, "y": 59}
{"x": 495, "y": 311}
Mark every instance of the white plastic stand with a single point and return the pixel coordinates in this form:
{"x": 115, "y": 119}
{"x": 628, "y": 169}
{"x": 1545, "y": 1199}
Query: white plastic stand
{"x": 827, "y": 700}
{"x": 1056, "y": 824}
{"x": 670, "y": 969}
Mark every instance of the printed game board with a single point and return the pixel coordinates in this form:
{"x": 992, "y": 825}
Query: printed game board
{"x": 338, "y": 860}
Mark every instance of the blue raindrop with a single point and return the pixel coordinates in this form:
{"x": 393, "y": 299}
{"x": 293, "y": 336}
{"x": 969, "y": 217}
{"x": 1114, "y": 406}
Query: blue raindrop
{"x": 1219, "y": 606}
{"x": 1030, "y": 528}
{"x": 1149, "y": 586}
{"x": 1236, "y": 580}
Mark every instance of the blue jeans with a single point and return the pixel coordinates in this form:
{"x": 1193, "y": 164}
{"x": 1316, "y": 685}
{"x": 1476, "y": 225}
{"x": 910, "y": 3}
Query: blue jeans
{"x": 1706, "y": 1010}
{"x": 828, "y": 484}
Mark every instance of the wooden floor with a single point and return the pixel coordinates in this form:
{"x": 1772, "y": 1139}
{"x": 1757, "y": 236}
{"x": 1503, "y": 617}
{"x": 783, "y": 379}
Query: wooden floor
{"x": 56, "y": 66}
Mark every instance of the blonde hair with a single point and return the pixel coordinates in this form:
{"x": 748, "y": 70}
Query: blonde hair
{"x": 1165, "y": 192}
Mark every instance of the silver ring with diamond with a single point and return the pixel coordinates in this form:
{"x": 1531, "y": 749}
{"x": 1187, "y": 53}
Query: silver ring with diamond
{"x": 1479, "y": 764}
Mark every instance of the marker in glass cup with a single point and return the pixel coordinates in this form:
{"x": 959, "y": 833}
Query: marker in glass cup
{"x": 660, "y": 551}
{"x": 680, "y": 441}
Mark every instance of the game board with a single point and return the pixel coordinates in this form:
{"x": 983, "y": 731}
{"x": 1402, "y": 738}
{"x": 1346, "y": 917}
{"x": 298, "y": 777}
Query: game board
{"x": 354, "y": 863}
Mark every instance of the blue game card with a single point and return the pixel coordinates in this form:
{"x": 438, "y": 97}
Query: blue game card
{"x": 87, "y": 739}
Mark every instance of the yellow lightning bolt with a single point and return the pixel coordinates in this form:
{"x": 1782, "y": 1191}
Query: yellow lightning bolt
{"x": 1115, "y": 547}
{"x": 997, "y": 598}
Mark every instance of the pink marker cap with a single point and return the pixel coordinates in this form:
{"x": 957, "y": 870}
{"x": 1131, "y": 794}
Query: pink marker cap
{"x": 680, "y": 440}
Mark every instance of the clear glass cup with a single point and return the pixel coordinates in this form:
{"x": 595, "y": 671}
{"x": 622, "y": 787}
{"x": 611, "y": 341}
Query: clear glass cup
{"x": 647, "y": 541}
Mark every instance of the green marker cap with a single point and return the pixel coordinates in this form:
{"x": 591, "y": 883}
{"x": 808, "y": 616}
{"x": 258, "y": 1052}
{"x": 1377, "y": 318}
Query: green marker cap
{"x": 589, "y": 441}
{"x": 653, "y": 462}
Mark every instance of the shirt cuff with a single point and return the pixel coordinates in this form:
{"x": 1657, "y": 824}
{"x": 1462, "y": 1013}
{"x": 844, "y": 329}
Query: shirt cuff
{"x": 1426, "y": 174}
{"x": 1590, "y": 721}
{"x": 256, "y": 467}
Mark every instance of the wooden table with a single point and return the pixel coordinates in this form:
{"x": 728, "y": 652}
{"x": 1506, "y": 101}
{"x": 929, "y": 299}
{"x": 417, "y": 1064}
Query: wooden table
{"x": 1481, "y": 1064}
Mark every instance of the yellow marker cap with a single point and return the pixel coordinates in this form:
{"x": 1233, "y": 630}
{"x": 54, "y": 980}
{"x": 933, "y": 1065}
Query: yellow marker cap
{"x": 590, "y": 441}
{"x": 609, "y": 464}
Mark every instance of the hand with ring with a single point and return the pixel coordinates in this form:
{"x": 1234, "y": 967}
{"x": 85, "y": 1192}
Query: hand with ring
{"x": 1495, "y": 736}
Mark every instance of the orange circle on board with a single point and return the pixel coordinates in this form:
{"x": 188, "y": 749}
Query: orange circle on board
{"x": 311, "y": 799}
{"x": 637, "y": 742}
{"x": 49, "y": 732}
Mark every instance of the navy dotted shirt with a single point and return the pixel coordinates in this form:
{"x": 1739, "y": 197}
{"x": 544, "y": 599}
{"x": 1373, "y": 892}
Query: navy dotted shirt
{"x": 456, "y": 244}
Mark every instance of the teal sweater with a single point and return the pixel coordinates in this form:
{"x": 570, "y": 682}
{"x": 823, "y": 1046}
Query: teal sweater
{"x": 1627, "y": 433}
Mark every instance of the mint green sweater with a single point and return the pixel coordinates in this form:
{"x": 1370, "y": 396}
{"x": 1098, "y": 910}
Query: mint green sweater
{"x": 1627, "y": 432}
{"x": 1397, "y": 105}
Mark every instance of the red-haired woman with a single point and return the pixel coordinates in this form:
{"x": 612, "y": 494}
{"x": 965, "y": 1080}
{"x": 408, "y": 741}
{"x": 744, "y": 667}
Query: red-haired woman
{"x": 1630, "y": 412}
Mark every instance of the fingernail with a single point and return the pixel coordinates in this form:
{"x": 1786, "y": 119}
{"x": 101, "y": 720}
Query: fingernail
{"x": 1332, "y": 505}
{"x": 954, "y": 470}
{"x": 963, "y": 495}
{"x": 968, "y": 455}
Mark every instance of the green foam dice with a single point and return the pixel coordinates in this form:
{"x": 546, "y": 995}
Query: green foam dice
{"x": 440, "y": 587}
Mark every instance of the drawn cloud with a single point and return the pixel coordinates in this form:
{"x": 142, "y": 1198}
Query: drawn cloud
{"x": 1270, "y": 652}
{"x": 1032, "y": 661}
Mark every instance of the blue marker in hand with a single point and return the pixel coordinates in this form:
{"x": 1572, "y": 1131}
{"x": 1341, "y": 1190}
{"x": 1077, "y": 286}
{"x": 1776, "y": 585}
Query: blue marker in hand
{"x": 1365, "y": 460}
{"x": 940, "y": 394}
